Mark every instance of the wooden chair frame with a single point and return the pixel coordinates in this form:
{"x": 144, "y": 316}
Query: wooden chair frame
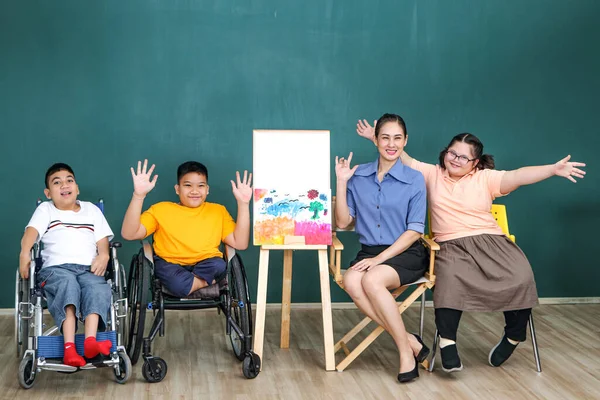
{"x": 499, "y": 213}
{"x": 421, "y": 286}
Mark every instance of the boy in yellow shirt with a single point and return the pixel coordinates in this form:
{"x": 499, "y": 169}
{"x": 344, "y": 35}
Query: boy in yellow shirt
{"x": 187, "y": 234}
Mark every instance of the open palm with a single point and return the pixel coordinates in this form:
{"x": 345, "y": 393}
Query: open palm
{"x": 568, "y": 169}
{"x": 142, "y": 184}
{"x": 365, "y": 130}
{"x": 342, "y": 168}
{"x": 242, "y": 189}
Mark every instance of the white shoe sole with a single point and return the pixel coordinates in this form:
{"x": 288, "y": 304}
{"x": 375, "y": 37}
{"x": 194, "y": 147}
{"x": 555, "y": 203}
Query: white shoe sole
{"x": 452, "y": 369}
{"x": 492, "y": 352}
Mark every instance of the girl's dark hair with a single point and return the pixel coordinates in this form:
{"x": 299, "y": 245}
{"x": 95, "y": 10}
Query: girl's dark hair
{"x": 390, "y": 118}
{"x": 486, "y": 161}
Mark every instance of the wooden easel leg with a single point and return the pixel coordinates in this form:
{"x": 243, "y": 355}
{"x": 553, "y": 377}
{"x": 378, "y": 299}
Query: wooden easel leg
{"x": 286, "y": 299}
{"x": 326, "y": 309}
{"x": 261, "y": 304}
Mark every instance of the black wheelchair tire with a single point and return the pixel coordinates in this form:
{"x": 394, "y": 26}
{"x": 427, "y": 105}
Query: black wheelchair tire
{"x": 139, "y": 277}
{"x": 21, "y": 325}
{"x": 239, "y": 307}
{"x": 251, "y": 365}
{"x": 157, "y": 375}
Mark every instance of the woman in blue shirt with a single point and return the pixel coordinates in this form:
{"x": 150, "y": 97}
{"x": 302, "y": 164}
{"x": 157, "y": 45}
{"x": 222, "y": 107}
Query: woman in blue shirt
{"x": 387, "y": 202}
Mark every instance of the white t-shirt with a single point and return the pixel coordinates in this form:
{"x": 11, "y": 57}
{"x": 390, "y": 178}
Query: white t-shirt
{"x": 69, "y": 237}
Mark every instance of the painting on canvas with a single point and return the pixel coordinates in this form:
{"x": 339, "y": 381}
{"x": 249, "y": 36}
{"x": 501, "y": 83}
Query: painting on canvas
{"x": 290, "y": 217}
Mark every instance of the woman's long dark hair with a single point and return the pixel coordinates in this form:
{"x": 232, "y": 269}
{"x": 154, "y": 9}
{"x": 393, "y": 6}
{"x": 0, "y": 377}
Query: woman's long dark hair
{"x": 486, "y": 161}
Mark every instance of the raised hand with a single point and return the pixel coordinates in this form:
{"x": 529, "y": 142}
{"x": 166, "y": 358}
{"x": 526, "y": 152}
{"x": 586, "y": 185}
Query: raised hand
{"x": 365, "y": 130}
{"x": 242, "y": 189}
{"x": 568, "y": 169}
{"x": 342, "y": 168}
{"x": 142, "y": 184}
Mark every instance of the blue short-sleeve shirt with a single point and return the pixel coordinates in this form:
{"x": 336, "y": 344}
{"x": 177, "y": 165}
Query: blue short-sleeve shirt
{"x": 385, "y": 210}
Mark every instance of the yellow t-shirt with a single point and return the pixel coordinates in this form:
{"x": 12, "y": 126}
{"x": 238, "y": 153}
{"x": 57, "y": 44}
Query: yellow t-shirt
{"x": 184, "y": 235}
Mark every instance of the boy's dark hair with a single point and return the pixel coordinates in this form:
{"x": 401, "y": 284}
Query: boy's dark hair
{"x": 191, "y": 166}
{"x": 486, "y": 161}
{"x": 55, "y": 168}
{"x": 390, "y": 118}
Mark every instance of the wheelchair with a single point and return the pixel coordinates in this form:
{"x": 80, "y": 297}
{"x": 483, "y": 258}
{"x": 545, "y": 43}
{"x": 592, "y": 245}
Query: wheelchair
{"x": 43, "y": 350}
{"x": 233, "y": 302}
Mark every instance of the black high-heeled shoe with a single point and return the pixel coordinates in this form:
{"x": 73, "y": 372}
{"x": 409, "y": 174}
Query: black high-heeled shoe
{"x": 424, "y": 352}
{"x": 405, "y": 377}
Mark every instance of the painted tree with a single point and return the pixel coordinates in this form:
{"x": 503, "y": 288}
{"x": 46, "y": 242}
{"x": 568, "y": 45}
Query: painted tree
{"x": 315, "y": 207}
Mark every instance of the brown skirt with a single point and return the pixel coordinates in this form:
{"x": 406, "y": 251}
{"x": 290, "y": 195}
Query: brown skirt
{"x": 483, "y": 273}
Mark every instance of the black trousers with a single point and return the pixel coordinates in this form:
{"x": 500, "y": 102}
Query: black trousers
{"x": 447, "y": 319}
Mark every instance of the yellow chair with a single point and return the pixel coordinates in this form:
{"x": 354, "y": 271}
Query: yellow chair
{"x": 499, "y": 213}
{"x": 420, "y": 287}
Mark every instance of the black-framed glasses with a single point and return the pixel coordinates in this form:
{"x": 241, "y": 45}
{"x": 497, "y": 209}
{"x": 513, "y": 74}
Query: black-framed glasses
{"x": 461, "y": 159}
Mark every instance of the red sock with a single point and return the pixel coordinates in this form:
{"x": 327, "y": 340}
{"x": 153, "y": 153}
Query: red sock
{"x": 91, "y": 347}
{"x": 71, "y": 357}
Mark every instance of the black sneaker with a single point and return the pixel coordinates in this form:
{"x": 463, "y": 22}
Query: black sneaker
{"x": 450, "y": 359}
{"x": 501, "y": 352}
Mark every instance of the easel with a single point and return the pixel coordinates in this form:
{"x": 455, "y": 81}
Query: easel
{"x": 276, "y": 169}
{"x": 261, "y": 298}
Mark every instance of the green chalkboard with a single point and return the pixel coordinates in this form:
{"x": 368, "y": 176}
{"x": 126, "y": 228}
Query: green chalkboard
{"x": 100, "y": 85}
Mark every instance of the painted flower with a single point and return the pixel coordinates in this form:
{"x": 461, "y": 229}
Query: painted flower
{"x": 312, "y": 194}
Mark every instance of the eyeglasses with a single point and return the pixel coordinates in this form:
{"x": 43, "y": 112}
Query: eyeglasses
{"x": 461, "y": 159}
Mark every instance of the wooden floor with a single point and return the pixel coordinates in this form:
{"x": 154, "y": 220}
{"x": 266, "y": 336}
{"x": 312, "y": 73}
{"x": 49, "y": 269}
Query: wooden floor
{"x": 201, "y": 364}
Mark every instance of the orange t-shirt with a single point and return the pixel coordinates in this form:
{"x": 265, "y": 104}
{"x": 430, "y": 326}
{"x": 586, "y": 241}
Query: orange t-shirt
{"x": 461, "y": 208}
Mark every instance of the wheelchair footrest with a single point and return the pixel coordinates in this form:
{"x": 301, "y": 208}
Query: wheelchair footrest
{"x": 54, "y": 346}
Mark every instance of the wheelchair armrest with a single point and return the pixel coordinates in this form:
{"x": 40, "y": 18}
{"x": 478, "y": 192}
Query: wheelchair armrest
{"x": 229, "y": 253}
{"x": 148, "y": 251}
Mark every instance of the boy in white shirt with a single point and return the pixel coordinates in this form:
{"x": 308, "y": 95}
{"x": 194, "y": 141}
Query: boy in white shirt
{"x": 75, "y": 238}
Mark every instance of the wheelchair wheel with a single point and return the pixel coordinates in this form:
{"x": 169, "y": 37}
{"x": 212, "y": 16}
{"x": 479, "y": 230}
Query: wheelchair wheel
{"x": 124, "y": 368}
{"x": 157, "y": 374}
{"x": 26, "y": 372}
{"x": 121, "y": 290}
{"x": 239, "y": 307}
{"x": 138, "y": 300}
{"x": 251, "y": 365}
{"x": 21, "y": 325}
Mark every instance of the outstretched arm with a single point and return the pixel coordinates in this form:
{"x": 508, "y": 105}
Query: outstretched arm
{"x": 368, "y": 132}
{"x": 512, "y": 180}
{"x": 242, "y": 191}
{"x": 343, "y": 172}
{"x": 132, "y": 228}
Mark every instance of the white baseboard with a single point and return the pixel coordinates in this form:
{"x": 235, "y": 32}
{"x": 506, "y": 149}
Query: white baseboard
{"x": 350, "y": 305}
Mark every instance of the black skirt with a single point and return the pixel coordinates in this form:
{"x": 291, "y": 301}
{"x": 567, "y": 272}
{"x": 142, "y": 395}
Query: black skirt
{"x": 410, "y": 265}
